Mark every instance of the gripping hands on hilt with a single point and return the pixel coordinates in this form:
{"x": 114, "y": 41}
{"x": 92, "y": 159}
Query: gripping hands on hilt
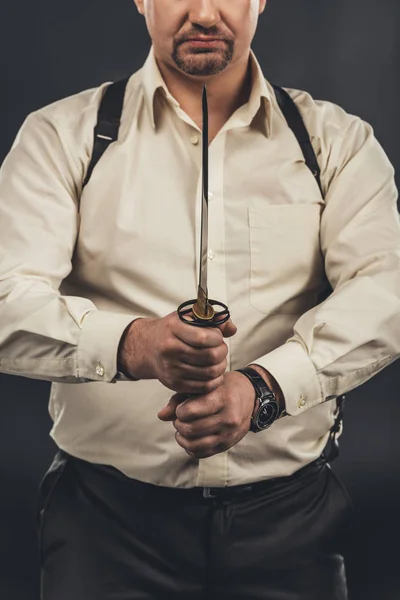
{"x": 185, "y": 359}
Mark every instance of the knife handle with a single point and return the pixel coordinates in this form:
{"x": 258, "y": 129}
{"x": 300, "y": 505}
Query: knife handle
{"x": 218, "y": 317}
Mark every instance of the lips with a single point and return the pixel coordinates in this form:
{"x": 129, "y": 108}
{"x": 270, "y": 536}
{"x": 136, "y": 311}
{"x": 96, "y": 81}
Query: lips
{"x": 203, "y": 40}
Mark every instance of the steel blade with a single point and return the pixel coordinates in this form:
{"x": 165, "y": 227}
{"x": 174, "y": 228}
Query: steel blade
{"x": 204, "y": 202}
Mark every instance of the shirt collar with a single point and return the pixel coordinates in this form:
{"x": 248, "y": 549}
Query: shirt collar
{"x": 154, "y": 83}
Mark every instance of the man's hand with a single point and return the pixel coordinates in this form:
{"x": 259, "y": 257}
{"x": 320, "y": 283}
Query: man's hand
{"x": 209, "y": 424}
{"x": 184, "y": 358}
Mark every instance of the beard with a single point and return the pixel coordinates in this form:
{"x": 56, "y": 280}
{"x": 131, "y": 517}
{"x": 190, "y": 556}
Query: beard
{"x": 203, "y": 61}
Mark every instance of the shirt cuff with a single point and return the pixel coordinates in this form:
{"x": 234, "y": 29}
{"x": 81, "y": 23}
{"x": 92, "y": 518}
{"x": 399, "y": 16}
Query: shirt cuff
{"x": 98, "y": 345}
{"x": 296, "y": 376}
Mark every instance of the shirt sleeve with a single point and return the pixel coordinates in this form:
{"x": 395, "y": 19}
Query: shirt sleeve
{"x": 351, "y": 336}
{"x": 43, "y": 334}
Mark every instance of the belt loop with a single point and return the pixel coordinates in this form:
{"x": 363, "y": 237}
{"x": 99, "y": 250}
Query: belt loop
{"x": 207, "y": 493}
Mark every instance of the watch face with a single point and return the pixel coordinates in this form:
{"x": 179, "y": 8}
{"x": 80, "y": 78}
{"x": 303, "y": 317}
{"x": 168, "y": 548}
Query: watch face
{"x": 267, "y": 413}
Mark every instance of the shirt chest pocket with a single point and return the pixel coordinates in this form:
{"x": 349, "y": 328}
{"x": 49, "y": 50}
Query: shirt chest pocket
{"x": 286, "y": 264}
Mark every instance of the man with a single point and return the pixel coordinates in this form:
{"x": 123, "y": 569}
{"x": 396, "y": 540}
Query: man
{"x": 158, "y": 495}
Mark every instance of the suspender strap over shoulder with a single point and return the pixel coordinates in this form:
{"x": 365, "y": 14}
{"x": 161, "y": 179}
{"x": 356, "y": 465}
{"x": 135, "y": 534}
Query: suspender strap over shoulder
{"x": 108, "y": 122}
{"x": 296, "y": 124}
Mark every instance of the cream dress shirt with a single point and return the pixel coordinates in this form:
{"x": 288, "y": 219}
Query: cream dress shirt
{"x": 76, "y": 268}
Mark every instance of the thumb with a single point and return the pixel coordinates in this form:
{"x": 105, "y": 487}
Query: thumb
{"x": 168, "y": 412}
{"x": 228, "y": 329}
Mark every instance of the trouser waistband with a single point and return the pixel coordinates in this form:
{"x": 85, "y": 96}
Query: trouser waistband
{"x": 223, "y": 493}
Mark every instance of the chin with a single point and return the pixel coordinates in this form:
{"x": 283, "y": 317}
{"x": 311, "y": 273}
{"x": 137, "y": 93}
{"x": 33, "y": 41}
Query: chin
{"x": 201, "y": 63}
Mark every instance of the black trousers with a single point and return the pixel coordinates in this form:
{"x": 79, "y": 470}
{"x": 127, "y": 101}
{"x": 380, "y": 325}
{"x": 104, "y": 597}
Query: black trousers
{"x": 104, "y": 536}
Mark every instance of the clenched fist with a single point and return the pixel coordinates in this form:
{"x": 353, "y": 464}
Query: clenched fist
{"x": 214, "y": 422}
{"x": 186, "y": 359}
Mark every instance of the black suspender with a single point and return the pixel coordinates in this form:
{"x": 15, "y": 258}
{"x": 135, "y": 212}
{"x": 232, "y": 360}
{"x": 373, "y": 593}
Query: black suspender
{"x": 108, "y": 122}
{"x": 296, "y": 124}
{"x": 106, "y": 132}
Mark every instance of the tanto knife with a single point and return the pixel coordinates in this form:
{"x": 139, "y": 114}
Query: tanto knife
{"x": 200, "y": 311}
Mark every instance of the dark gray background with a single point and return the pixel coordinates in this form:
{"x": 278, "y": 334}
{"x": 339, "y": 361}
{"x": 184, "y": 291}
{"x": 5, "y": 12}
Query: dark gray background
{"x": 345, "y": 51}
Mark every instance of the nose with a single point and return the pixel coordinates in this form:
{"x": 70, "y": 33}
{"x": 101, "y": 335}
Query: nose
{"x": 204, "y": 13}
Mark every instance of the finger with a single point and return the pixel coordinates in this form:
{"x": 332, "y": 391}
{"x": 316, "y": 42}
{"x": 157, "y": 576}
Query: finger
{"x": 228, "y": 329}
{"x": 201, "y": 428}
{"x": 195, "y": 408}
{"x": 203, "y": 448}
{"x": 203, "y": 357}
{"x": 199, "y": 337}
{"x": 196, "y": 387}
{"x": 200, "y": 373}
{"x": 168, "y": 413}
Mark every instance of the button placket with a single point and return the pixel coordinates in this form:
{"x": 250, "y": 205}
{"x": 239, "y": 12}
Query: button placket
{"x": 215, "y": 469}
{"x": 216, "y": 226}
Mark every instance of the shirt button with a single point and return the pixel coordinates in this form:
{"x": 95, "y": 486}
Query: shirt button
{"x": 210, "y": 195}
{"x": 194, "y": 139}
{"x": 302, "y": 402}
{"x": 210, "y": 254}
{"x": 100, "y": 370}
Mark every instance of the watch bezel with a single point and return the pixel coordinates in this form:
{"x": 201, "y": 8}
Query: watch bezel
{"x": 264, "y": 401}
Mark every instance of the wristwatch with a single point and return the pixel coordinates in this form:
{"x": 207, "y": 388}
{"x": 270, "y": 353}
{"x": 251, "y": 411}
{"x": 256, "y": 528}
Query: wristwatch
{"x": 267, "y": 408}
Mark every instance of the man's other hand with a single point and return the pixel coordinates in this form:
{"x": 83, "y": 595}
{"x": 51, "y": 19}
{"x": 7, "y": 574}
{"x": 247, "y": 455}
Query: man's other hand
{"x": 211, "y": 423}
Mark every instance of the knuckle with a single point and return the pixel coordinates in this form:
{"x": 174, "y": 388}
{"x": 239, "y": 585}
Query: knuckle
{"x": 186, "y": 430}
{"x": 181, "y": 441}
{"x": 202, "y": 338}
{"x": 218, "y": 335}
{"x": 221, "y": 447}
{"x": 219, "y": 354}
{"x": 185, "y": 353}
{"x": 166, "y": 366}
{"x": 213, "y": 372}
{"x": 214, "y": 356}
{"x": 211, "y": 385}
{"x": 167, "y": 346}
{"x": 223, "y": 366}
{"x": 233, "y": 421}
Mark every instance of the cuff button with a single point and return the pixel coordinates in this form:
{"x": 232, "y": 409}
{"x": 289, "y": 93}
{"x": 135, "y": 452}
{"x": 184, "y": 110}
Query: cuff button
{"x": 302, "y": 402}
{"x": 100, "y": 370}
